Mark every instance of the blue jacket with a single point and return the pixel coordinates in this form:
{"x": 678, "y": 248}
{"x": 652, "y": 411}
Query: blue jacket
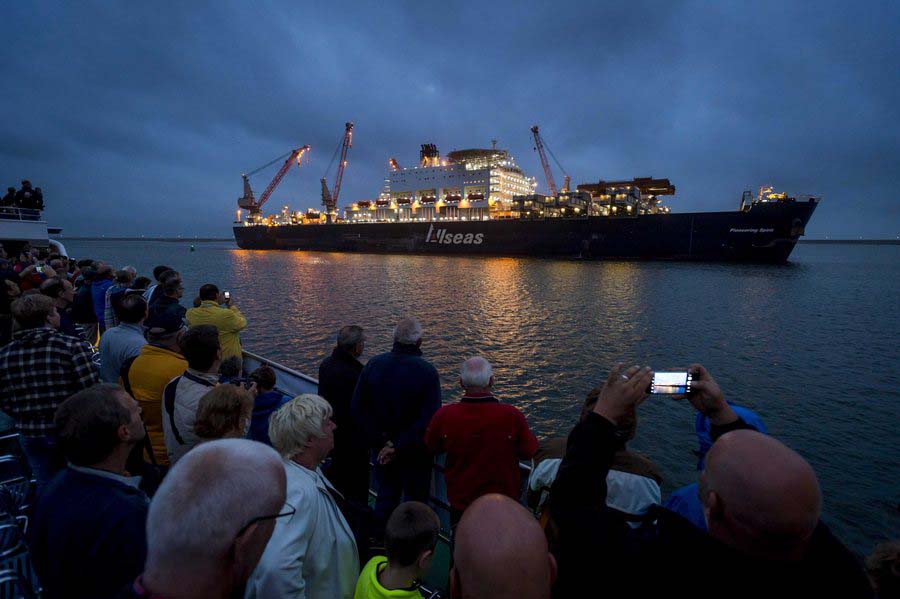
{"x": 88, "y": 536}
{"x": 98, "y": 295}
{"x": 265, "y": 404}
{"x": 397, "y": 394}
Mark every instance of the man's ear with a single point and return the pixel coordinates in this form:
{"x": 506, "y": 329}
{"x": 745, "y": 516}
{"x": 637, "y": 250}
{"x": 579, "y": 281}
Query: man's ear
{"x": 123, "y": 433}
{"x": 713, "y": 506}
{"x": 424, "y": 561}
{"x": 553, "y": 568}
{"x": 419, "y": 342}
{"x": 239, "y": 548}
{"x": 455, "y": 585}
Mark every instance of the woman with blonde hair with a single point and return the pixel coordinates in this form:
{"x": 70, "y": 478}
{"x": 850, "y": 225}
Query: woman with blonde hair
{"x": 312, "y": 553}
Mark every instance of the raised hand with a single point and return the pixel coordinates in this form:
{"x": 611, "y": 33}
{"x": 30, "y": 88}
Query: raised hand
{"x": 707, "y": 398}
{"x": 623, "y": 391}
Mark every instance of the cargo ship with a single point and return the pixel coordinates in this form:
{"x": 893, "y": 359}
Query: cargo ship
{"x": 479, "y": 202}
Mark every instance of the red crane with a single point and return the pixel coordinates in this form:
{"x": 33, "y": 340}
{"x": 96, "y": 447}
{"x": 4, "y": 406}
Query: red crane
{"x": 539, "y": 145}
{"x": 330, "y": 199}
{"x": 247, "y": 201}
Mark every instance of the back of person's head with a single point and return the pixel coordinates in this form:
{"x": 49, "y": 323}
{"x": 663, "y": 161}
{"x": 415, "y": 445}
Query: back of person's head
{"x": 31, "y": 311}
{"x": 230, "y": 368}
{"x": 212, "y": 516}
{"x": 209, "y": 292}
{"x": 408, "y": 331}
{"x": 223, "y": 412}
{"x": 759, "y": 496}
{"x": 170, "y": 282}
{"x": 411, "y": 535}
{"x": 476, "y": 373}
{"x": 296, "y": 422}
{"x": 200, "y": 347}
{"x": 140, "y": 283}
{"x": 500, "y": 552}
{"x": 883, "y": 568}
{"x": 132, "y": 308}
{"x": 165, "y": 328}
{"x": 88, "y": 423}
{"x": 88, "y": 273}
{"x": 124, "y": 277}
{"x": 349, "y": 337}
{"x": 105, "y": 271}
{"x": 53, "y": 287}
{"x": 264, "y": 377}
{"x": 84, "y": 263}
{"x": 159, "y": 270}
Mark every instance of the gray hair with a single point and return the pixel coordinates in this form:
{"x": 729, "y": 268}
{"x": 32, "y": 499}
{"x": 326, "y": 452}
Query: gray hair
{"x": 349, "y": 336}
{"x": 298, "y": 421}
{"x": 205, "y": 499}
{"x": 408, "y": 331}
{"x": 476, "y": 372}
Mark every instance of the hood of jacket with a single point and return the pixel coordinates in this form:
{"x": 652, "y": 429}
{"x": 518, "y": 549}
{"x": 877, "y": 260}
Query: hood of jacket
{"x": 35, "y": 337}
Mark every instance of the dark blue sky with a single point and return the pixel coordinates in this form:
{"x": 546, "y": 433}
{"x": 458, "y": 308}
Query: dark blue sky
{"x": 138, "y": 118}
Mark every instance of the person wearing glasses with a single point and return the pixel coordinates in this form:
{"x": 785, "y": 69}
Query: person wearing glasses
{"x": 210, "y": 520}
{"x": 311, "y": 553}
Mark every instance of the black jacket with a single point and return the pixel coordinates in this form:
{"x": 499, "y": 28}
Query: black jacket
{"x": 680, "y": 559}
{"x": 338, "y": 375}
{"x": 83, "y": 305}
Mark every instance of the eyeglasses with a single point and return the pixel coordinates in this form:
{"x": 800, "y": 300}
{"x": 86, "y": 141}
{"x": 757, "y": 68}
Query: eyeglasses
{"x": 290, "y": 512}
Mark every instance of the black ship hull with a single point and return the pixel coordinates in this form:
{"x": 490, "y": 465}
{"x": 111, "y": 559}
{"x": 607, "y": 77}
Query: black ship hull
{"x": 766, "y": 233}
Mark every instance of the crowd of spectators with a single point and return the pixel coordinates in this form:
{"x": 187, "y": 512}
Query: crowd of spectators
{"x": 163, "y": 471}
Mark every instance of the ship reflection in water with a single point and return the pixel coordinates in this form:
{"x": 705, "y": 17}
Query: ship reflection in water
{"x": 783, "y": 340}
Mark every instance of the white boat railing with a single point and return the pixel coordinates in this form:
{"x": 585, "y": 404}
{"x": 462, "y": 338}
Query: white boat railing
{"x": 16, "y": 213}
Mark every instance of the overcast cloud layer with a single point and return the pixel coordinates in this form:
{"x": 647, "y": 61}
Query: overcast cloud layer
{"x": 138, "y": 118}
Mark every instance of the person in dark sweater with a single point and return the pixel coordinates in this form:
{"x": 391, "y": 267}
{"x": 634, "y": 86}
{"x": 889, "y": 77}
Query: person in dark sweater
{"x": 338, "y": 375}
{"x": 761, "y": 501}
{"x": 88, "y": 537}
{"x": 166, "y": 299}
{"x": 483, "y": 439}
{"x": 267, "y": 401}
{"x": 397, "y": 394}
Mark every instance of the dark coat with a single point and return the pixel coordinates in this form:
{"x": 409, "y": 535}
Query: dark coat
{"x": 88, "y": 536}
{"x": 263, "y": 407}
{"x": 83, "y": 305}
{"x": 163, "y": 305}
{"x": 397, "y": 394}
{"x": 679, "y": 557}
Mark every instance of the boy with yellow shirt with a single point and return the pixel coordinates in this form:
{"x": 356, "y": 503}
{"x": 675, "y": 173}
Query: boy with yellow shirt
{"x": 409, "y": 540}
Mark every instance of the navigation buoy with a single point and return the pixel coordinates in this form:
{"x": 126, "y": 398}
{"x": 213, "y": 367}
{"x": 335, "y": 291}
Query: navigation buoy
{"x": 193, "y": 248}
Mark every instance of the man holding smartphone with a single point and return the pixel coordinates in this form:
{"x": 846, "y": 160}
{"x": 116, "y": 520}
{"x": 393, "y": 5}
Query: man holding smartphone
{"x": 217, "y": 309}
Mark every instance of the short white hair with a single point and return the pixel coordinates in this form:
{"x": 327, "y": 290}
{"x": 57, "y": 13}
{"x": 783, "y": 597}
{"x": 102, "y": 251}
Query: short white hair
{"x": 293, "y": 425}
{"x": 205, "y": 499}
{"x": 476, "y": 372}
{"x": 408, "y": 331}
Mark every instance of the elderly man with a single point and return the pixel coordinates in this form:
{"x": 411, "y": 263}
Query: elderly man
{"x": 217, "y": 310}
{"x": 761, "y": 501}
{"x": 312, "y": 552}
{"x": 338, "y": 375}
{"x": 210, "y": 521}
{"x": 65, "y": 368}
{"x": 500, "y": 552}
{"x": 88, "y": 538}
{"x": 397, "y": 394}
{"x": 483, "y": 439}
{"x": 124, "y": 341}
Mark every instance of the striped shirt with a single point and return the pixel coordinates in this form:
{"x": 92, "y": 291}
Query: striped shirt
{"x": 39, "y": 369}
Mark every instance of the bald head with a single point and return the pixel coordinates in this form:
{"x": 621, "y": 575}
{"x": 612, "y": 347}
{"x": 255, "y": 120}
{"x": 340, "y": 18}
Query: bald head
{"x": 760, "y": 496}
{"x": 209, "y": 495}
{"x": 500, "y": 551}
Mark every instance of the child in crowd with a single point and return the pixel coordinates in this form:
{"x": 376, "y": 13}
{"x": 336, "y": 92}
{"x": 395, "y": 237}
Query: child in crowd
{"x": 410, "y": 538}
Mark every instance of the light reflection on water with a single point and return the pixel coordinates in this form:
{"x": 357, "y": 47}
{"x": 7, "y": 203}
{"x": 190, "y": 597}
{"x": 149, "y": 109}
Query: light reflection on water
{"x": 812, "y": 346}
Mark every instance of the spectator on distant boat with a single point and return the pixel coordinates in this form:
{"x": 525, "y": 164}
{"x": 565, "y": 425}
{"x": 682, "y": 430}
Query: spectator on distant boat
{"x": 88, "y": 536}
{"x": 38, "y": 198}
{"x": 166, "y": 301}
{"x": 217, "y": 310}
{"x": 883, "y": 568}
{"x": 410, "y": 538}
{"x": 83, "y": 306}
{"x": 338, "y": 375}
{"x": 62, "y": 292}
{"x": 123, "y": 342}
{"x": 25, "y": 197}
{"x": 121, "y": 283}
{"x": 103, "y": 280}
{"x": 154, "y": 290}
{"x": 10, "y": 198}
{"x": 267, "y": 401}
{"x": 147, "y": 375}
{"x": 761, "y": 501}
{"x": 633, "y": 482}
{"x": 483, "y": 439}
{"x": 211, "y": 519}
{"x": 200, "y": 346}
{"x": 312, "y": 552}
{"x": 224, "y": 413}
{"x": 500, "y": 552}
{"x": 398, "y": 393}
{"x": 39, "y": 369}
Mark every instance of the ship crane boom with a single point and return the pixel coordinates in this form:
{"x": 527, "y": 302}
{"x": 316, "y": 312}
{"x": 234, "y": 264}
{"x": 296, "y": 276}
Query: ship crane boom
{"x": 543, "y": 149}
{"x": 330, "y": 199}
{"x": 247, "y": 201}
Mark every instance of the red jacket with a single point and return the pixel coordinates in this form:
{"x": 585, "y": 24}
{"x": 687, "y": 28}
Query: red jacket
{"x": 484, "y": 441}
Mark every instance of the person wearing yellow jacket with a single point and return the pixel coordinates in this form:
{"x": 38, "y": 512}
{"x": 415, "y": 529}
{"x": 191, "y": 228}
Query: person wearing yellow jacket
{"x": 227, "y": 319}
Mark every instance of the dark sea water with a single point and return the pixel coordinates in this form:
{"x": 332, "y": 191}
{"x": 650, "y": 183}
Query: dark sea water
{"x": 811, "y": 346}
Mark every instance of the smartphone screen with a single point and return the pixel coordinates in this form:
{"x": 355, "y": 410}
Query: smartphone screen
{"x": 670, "y": 383}
{"x": 227, "y": 295}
